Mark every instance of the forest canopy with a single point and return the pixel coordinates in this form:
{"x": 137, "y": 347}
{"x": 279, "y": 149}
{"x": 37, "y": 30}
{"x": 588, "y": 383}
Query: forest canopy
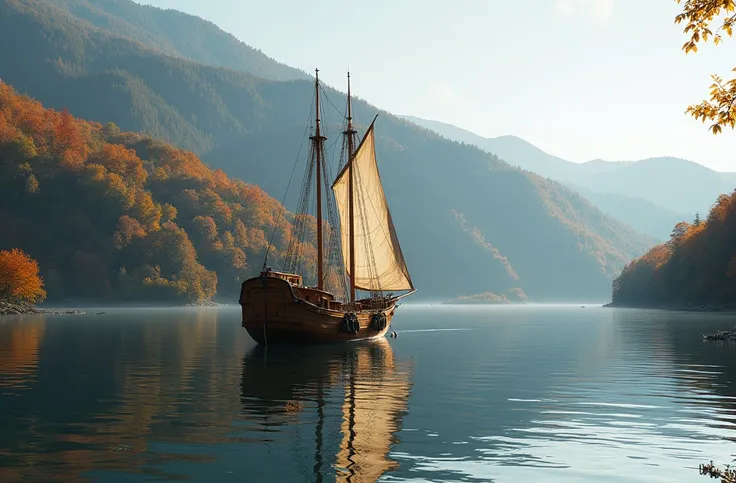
{"x": 19, "y": 278}
{"x": 697, "y": 266}
{"x": 118, "y": 216}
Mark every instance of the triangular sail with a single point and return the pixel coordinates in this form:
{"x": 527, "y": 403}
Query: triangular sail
{"x": 379, "y": 263}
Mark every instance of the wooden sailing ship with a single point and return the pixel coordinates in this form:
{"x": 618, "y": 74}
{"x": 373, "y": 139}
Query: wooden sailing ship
{"x": 363, "y": 254}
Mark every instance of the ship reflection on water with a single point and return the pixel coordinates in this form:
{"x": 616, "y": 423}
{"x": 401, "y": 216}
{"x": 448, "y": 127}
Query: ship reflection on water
{"x": 188, "y": 398}
{"x": 351, "y": 397}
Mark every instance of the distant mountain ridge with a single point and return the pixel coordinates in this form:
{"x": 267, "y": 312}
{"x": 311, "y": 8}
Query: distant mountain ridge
{"x": 648, "y": 194}
{"x": 468, "y": 222}
{"x": 175, "y": 33}
{"x": 508, "y": 148}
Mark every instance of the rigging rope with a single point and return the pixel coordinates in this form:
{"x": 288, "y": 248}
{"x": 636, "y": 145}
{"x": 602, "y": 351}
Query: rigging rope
{"x": 283, "y": 208}
{"x": 329, "y": 101}
{"x": 335, "y": 263}
{"x": 293, "y": 251}
{"x": 334, "y": 259}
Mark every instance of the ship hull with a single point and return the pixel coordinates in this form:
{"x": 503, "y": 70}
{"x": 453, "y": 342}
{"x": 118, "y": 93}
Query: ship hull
{"x": 274, "y": 313}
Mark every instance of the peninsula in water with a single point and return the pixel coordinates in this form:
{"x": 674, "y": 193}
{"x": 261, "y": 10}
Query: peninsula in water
{"x": 694, "y": 270}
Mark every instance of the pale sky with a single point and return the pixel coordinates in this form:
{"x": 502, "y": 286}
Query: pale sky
{"x": 581, "y": 79}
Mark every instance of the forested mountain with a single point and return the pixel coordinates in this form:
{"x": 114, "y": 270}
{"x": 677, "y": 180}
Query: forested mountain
{"x": 646, "y": 194}
{"x": 113, "y": 216}
{"x": 696, "y": 267}
{"x": 178, "y": 34}
{"x": 642, "y": 215}
{"x": 468, "y": 222}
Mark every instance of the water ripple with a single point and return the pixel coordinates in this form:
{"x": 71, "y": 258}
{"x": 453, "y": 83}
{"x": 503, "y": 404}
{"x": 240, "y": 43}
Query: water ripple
{"x": 504, "y": 394}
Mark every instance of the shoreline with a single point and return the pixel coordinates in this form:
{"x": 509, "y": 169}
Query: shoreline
{"x": 70, "y": 308}
{"x": 8, "y": 308}
{"x": 727, "y": 308}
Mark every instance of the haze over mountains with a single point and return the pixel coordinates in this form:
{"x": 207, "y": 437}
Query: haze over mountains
{"x": 174, "y": 33}
{"x": 468, "y": 222}
{"x": 651, "y": 195}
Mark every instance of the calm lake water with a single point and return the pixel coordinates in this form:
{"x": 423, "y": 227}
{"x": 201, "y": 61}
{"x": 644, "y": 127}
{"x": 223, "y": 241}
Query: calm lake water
{"x": 507, "y": 394}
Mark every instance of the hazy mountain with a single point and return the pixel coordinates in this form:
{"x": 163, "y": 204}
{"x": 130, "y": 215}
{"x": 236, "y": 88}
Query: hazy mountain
{"x": 468, "y": 222}
{"x": 511, "y": 149}
{"x": 644, "y": 216}
{"x": 675, "y": 183}
{"x": 656, "y": 190}
{"x": 594, "y": 167}
{"x": 176, "y": 33}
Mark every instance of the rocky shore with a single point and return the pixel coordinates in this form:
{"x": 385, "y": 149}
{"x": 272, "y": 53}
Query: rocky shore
{"x": 7, "y": 308}
{"x": 721, "y": 335}
{"x": 206, "y": 303}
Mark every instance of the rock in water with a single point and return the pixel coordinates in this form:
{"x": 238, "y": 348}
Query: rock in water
{"x": 721, "y": 335}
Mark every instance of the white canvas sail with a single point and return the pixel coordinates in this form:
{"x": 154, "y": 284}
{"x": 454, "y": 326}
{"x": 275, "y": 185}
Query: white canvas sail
{"x": 379, "y": 263}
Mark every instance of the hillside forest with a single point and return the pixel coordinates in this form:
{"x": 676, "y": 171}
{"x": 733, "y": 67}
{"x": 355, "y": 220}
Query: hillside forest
{"x": 115, "y": 216}
{"x": 697, "y": 266}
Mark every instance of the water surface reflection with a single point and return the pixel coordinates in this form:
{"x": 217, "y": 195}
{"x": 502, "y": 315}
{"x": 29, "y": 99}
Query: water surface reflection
{"x": 353, "y": 396}
{"x": 464, "y": 394}
{"x": 185, "y": 394}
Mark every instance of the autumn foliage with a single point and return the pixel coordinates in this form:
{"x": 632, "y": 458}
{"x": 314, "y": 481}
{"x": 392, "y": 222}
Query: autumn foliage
{"x": 704, "y": 20}
{"x": 697, "y": 266}
{"x": 111, "y": 215}
{"x": 19, "y": 278}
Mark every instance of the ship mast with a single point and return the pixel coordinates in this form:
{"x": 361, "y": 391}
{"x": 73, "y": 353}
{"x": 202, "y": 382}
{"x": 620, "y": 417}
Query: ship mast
{"x": 350, "y": 133}
{"x": 317, "y": 146}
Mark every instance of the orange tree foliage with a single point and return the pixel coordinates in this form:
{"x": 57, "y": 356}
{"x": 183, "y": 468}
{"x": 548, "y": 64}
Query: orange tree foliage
{"x": 19, "y": 279}
{"x": 696, "y": 266}
{"x": 700, "y": 17}
{"x": 120, "y": 216}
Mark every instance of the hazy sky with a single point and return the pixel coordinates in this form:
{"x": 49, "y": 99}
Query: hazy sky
{"x": 581, "y": 79}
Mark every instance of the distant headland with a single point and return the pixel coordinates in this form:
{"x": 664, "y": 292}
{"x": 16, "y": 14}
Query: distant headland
{"x": 513, "y": 296}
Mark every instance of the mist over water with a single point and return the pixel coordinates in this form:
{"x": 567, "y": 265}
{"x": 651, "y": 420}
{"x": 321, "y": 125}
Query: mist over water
{"x": 502, "y": 393}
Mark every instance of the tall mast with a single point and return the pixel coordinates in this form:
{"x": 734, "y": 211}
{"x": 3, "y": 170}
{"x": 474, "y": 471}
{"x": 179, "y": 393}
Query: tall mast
{"x": 317, "y": 143}
{"x": 350, "y": 132}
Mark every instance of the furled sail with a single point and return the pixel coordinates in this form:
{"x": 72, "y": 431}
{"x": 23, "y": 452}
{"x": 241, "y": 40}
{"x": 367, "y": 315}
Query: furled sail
{"x": 379, "y": 263}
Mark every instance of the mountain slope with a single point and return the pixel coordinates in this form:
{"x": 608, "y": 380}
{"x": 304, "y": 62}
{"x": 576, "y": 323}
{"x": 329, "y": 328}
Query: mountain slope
{"x": 642, "y": 215}
{"x": 178, "y": 34}
{"x": 696, "y": 267}
{"x": 681, "y": 185}
{"x": 650, "y": 195}
{"x": 114, "y": 216}
{"x": 65, "y": 59}
{"x": 512, "y": 149}
{"x": 463, "y": 216}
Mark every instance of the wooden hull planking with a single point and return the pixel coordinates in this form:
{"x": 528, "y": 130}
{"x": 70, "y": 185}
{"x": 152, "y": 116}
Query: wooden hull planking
{"x": 273, "y": 313}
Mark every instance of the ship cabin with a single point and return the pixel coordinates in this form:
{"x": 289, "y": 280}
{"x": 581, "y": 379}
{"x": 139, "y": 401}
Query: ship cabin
{"x": 292, "y": 278}
{"x": 313, "y": 295}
